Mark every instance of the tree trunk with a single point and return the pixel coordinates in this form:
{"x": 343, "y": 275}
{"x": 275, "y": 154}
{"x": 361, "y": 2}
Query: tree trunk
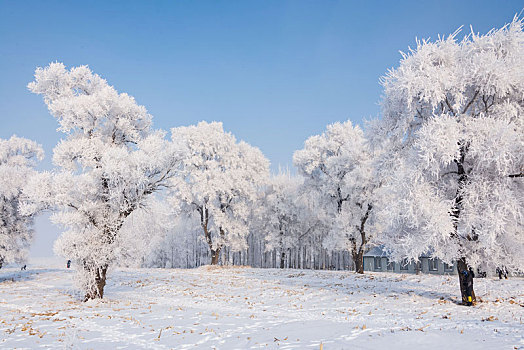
{"x": 215, "y": 254}
{"x": 456, "y": 211}
{"x": 358, "y": 253}
{"x": 204, "y": 219}
{"x": 96, "y": 291}
{"x": 358, "y": 257}
{"x": 282, "y": 259}
{"x": 463, "y": 266}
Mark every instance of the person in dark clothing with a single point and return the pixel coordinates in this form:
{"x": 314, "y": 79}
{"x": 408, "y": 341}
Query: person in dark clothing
{"x": 23, "y": 268}
{"x": 501, "y": 271}
{"x": 468, "y": 275}
{"x": 505, "y": 272}
{"x": 68, "y": 263}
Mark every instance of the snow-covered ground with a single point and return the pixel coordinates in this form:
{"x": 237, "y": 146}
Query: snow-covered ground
{"x": 245, "y": 308}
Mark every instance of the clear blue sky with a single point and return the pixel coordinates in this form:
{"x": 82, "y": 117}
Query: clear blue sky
{"x": 274, "y": 72}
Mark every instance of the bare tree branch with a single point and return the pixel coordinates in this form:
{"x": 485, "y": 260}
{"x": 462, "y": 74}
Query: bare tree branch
{"x": 470, "y": 102}
{"x": 516, "y": 175}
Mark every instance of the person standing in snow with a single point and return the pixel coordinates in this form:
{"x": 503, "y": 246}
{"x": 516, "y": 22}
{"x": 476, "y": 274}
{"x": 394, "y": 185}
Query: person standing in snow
{"x": 468, "y": 275}
{"x": 501, "y": 271}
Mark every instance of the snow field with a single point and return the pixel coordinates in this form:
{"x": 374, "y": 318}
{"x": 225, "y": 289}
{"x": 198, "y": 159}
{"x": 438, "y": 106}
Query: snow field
{"x": 245, "y": 308}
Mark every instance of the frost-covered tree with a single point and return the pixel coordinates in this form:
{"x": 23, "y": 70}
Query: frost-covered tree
{"x": 282, "y": 215}
{"x": 338, "y": 166}
{"x": 145, "y": 231}
{"x": 182, "y": 246}
{"x": 155, "y": 236}
{"x": 218, "y": 181}
{"x": 108, "y": 164}
{"x": 453, "y": 121}
{"x": 17, "y": 158}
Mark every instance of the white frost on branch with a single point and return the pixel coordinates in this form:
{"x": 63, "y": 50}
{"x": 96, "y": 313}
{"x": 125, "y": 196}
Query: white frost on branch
{"x": 454, "y": 127}
{"x": 283, "y": 214}
{"x": 144, "y": 232}
{"x": 218, "y": 182}
{"x": 17, "y": 161}
{"x": 109, "y": 163}
{"x": 338, "y": 167}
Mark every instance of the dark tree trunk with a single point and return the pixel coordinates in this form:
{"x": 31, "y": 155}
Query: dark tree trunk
{"x": 96, "y": 291}
{"x": 456, "y": 211}
{"x": 215, "y": 254}
{"x": 281, "y": 239}
{"x": 358, "y": 252}
{"x": 461, "y": 267}
{"x": 204, "y": 220}
{"x": 358, "y": 257}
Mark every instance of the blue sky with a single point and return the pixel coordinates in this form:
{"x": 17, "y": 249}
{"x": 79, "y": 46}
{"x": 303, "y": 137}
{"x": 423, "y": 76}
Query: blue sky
{"x": 274, "y": 72}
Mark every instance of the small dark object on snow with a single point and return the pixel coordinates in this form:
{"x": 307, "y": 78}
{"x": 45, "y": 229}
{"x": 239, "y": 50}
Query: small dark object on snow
{"x": 23, "y": 268}
{"x": 68, "y": 263}
{"x": 481, "y": 274}
{"x": 469, "y": 285}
